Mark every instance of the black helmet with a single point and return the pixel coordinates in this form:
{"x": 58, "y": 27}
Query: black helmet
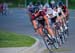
{"x": 35, "y": 9}
{"x": 37, "y": 3}
{"x": 60, "y": 3}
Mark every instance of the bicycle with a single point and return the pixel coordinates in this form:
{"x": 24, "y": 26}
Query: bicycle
{"x": 49, "y": 42}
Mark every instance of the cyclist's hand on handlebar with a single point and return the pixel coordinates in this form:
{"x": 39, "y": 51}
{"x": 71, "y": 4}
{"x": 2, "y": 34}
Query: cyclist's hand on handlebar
{"x": 36, "y": 32}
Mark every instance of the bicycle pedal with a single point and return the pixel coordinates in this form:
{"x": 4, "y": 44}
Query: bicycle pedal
{"x": 47, "y": 40}
{"x": 50, "y": 43}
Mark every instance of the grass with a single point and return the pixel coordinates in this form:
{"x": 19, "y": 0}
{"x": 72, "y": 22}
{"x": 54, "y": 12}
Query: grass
{"x": 15, "y": 40}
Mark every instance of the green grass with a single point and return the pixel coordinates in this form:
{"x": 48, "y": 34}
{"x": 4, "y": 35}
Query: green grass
{"x": 15, "y": 40}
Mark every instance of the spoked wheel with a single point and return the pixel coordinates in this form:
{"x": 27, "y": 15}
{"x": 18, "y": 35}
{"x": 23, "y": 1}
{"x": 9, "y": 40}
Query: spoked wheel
{"x": 47, "y": 43}
{"x": 58, "y": 37}
{"x": 50, "y": 44}
{"x": 66, "y": 34}
{"x": 62, "y": 38}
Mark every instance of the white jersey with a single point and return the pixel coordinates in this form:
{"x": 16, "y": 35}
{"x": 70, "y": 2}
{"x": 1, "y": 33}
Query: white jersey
{"x": 51, "y": 11}
{"x": 55, "y": 13}
{"x": 59, "y": 9}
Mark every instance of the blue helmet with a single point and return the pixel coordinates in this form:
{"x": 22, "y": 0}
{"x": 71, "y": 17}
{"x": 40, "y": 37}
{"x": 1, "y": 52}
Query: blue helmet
{"x": 60, "y": 3}
{"x": 35, "y": 9}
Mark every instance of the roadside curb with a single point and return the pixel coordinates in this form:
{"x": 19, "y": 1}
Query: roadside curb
{"x": 33, "y": 49}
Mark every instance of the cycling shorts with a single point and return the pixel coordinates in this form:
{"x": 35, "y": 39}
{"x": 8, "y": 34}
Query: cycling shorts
{"x": 60, "y": 14}
{"x": 53, "y": 20}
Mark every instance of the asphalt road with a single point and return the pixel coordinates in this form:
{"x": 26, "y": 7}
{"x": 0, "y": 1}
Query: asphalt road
{"x": 18, "y": 21}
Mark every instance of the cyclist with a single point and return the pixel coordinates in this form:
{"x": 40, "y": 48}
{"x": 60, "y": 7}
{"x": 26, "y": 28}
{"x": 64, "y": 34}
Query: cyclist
{"x": 45, "y": 7}
{"x": 30, "y": 8}
{"x": 49, "y": 14}
{"x": 66, "y": 12}
{"x": 52, "y": 4}
{"x": 42, "y": 19}
{"x": 39, "y": 5}
{"x": 63, "y": 14}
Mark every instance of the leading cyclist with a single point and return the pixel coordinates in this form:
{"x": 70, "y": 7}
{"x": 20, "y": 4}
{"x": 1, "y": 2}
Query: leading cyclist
{"x": 39, "y": 21}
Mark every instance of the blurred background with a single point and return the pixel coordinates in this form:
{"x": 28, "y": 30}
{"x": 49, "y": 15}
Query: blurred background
{"x": 24, "y": 3}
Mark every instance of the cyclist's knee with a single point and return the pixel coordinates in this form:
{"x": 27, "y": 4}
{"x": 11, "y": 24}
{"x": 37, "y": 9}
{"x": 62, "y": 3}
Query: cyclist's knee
{"x": 40, "y": 31}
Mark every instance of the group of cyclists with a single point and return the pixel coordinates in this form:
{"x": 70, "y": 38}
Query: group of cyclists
{"x": 47, "y": 15}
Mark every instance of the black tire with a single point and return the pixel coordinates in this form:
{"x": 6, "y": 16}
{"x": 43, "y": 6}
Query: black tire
{"x": 62, "y": 37}
{"x": 58, "y": 37}
{"x": 47, "y": 45}
{"x": 66, "y": 34}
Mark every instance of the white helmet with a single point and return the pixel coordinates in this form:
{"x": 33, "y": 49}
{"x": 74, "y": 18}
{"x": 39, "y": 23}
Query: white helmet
{"x": 52, "y": 2}
{"x": 46, "y": 5}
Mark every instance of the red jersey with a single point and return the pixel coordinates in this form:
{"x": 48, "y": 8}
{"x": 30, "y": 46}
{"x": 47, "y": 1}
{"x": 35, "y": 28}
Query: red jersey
{"x": 41, "y": 13}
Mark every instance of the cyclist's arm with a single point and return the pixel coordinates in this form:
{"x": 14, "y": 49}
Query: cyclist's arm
{"x": 67, "y": 11}
{"x": 34, "y": 24}
{"x": 46, "y": 20}
{"x": 45, "y": 17}
{"x": 63, "y": 14}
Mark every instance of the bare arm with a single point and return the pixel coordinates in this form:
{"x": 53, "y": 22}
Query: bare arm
{"x": 34, "y": 24}
{"x": 46, "y": 20}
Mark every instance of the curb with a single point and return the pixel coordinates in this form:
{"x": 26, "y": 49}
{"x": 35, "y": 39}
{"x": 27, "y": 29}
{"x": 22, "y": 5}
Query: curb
{"x": 33, "y": 49}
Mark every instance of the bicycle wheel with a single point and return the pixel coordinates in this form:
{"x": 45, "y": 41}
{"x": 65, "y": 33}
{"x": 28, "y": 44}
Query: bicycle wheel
{"x": 57, "y": 34}
{"x": 45, "y": 39}
{"x": 66, "y": 34}
{"x": 67, "y": 31}
{"x": 58, "y": 37}
{"x": 62, "y": 37}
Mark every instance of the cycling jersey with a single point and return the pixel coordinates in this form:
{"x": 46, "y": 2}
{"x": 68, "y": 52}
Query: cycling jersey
{"x": 52, "y": 19}
{"x": 64, "y": 8}
{"x": 55, "y": 13}
{"x": 30, "y": 8}
{"x": 59, "y": 11}
{"x": 45, "y": 7}
{"x": 39, "y": 18}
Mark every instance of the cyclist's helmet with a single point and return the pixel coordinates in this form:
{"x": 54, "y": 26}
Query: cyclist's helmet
{"x": 55, "y": 6}
{"x": 37, "y": 3}
{"x": 30, "y": 3}
{"x": 52, "y": 2}
{"x": 60, "y": 3}
{"x": 35, "y": 9}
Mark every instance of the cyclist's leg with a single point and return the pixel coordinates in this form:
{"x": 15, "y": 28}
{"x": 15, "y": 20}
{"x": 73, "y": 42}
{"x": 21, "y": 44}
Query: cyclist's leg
{"x": 61, "y": 22}
{"x": 50, "y": 31}
{"x": 40, "y": 31}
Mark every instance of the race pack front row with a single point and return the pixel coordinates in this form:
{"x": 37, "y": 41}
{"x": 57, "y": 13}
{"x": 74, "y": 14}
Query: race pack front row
{"x": 45, "y": 16}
